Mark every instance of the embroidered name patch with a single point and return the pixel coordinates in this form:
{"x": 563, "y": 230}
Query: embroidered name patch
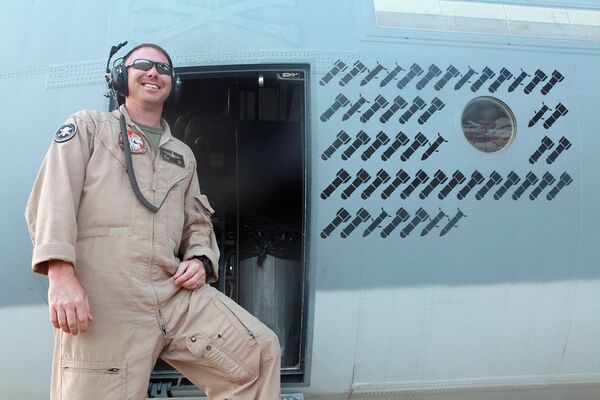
{"x": 65, "y": 132}
{"x": 172, "y": 157}
{"x": 136, "y": 143}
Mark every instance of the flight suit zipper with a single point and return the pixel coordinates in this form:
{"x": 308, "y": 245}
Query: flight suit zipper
{"x": 154, "y": 154}
{"x": 248, "y": 330}
{"x": 104, "y": 370}
{"x": 163, "y": 328}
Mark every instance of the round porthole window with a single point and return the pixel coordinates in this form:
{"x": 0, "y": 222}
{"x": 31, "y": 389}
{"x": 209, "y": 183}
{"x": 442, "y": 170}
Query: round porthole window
{"x": 488, "y": 124}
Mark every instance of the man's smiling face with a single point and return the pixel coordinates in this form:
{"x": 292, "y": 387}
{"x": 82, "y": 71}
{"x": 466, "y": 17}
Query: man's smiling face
{"x": 147, "y": 87}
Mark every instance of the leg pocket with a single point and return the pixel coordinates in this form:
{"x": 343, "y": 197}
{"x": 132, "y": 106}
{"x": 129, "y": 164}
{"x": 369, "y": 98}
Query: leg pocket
{"x": 93, "y": 380}
{"x": 224, "y": 354}
{"x": 218, "y": 341}
{"x": 267, "y": 340}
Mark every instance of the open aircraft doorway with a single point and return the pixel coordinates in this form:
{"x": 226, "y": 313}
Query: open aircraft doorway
{"x": 246, "y": 126}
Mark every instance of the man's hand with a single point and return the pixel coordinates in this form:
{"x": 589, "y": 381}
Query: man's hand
{"x": 69, "y": 306}
{"x": 190, "y": 274}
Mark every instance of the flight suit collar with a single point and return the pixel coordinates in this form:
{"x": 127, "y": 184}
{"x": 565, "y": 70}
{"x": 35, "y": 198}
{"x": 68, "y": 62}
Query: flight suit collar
{"x": 166, "y": 136}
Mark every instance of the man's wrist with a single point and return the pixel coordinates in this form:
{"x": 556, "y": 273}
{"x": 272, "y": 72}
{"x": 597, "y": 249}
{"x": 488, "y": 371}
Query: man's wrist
{"x": 208, "y": 268}
{"x": 60, "y": 268}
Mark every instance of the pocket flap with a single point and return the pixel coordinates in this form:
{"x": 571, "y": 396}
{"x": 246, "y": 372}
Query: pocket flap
{"x": 198, "y": 344}
{"x": 212, "y": 354}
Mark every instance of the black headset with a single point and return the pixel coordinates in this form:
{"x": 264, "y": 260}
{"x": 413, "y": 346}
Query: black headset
{"x": 117, "y": 76}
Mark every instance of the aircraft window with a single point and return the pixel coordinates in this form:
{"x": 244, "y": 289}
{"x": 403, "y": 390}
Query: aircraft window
{"x": 488, "y": 124}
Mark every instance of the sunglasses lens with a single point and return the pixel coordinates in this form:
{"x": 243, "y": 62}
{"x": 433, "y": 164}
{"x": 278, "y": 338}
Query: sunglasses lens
{"x": 142, "y": 65}
{"x": 146, "y": 65}
{"x": 163, "y": 68}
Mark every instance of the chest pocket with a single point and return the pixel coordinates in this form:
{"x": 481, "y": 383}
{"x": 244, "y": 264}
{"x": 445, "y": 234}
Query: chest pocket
{"x": 107, "y": 199}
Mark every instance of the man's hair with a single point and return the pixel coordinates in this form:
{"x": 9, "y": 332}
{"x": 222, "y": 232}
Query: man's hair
{"x": 152, "y": 45}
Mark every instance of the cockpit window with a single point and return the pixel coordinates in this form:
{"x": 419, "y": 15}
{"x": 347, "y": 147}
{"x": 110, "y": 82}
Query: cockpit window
{"x": 488, "y": 124}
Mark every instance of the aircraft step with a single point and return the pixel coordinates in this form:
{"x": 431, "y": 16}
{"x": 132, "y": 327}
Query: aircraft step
{"x": 295, "y": 396}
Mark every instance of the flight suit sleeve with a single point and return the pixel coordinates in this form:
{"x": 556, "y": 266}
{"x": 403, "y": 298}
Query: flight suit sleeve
{"x": 51, "y": 211}
{"x": 198, "y": 238}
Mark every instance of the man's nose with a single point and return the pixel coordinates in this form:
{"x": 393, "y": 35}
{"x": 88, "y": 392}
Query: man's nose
{"x": 152, "y": 71}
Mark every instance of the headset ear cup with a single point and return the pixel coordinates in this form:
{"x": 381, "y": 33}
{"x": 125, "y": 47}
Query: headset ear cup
{"x": 124, "y": 80}
{"x": 176, "y": 86}
{"x": 118, "y": 77}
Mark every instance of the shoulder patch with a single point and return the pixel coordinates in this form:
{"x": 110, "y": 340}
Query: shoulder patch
{"x": 65, "y": 132}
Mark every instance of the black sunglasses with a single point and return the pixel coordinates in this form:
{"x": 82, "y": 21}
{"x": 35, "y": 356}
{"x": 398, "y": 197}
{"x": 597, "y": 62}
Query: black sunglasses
{"x": 146, "y": 65}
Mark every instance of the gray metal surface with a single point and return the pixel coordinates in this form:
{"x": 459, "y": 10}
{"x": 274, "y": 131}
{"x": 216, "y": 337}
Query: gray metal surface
{"x": 273, "y": 293}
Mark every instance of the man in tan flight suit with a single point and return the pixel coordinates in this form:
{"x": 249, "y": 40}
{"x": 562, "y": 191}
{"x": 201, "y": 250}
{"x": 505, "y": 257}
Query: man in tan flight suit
{"x": 119, "y": 297}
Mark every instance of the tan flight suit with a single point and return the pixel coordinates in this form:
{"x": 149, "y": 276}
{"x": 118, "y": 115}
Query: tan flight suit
{"x": 83, "y": 210}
